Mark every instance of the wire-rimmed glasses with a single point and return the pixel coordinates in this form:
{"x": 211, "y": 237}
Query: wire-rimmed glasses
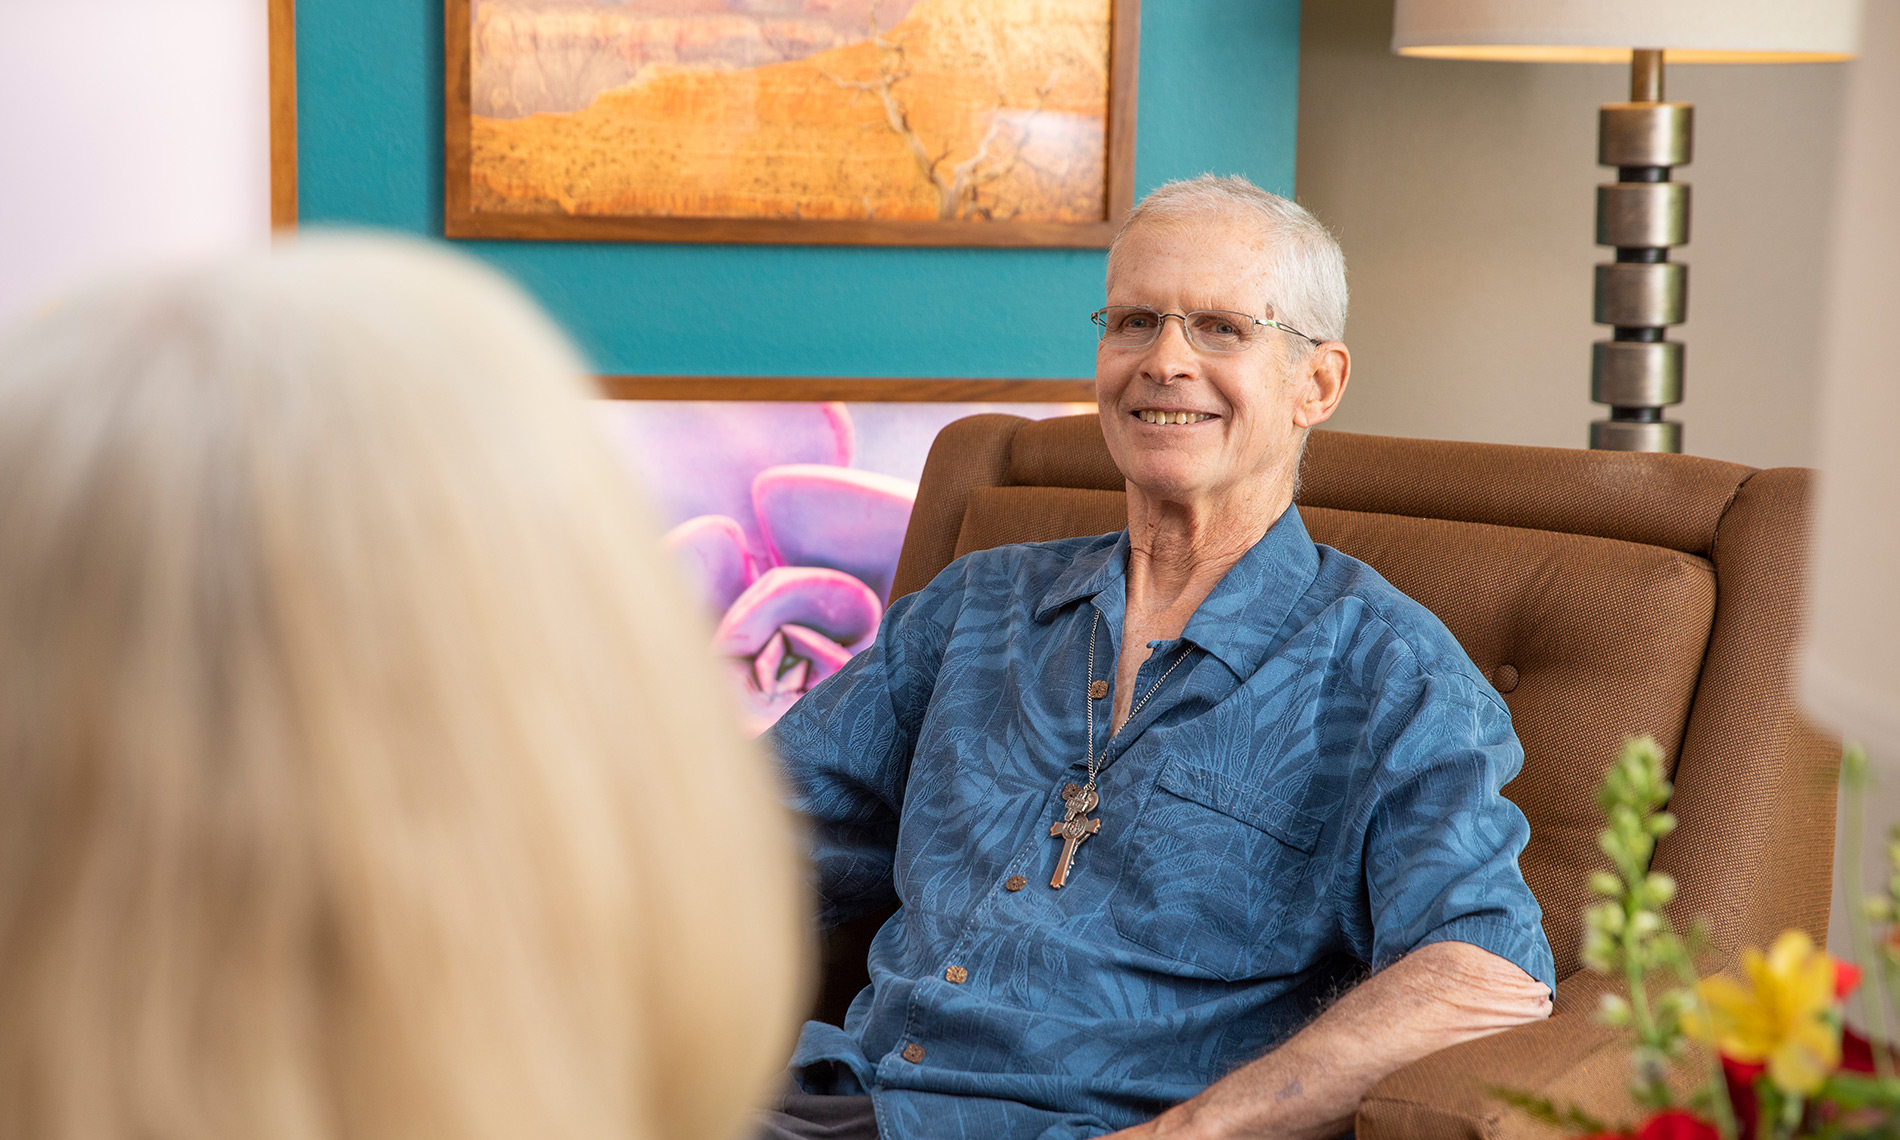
{"x": 1208, "y": 330}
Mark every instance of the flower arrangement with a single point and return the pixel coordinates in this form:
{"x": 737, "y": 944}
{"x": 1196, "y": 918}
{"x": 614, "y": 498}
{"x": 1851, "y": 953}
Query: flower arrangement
{"x": 1776, "y": 1058}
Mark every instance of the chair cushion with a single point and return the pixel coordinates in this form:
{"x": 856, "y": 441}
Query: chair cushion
{"x": 1662, "y": 500}
{"x": 1587, "y": 639}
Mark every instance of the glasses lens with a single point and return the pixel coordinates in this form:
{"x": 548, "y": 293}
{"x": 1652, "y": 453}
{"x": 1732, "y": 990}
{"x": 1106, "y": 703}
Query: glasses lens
{"x": 1129, "y": 325}
{"x": 1216, "y": 330}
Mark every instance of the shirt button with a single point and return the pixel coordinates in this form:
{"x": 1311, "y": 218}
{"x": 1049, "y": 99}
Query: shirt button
{"x": 914, "y": 1053}
{"x": 1098, "y": 690}
{"x": 1015, "y": 883}
{"x": 956, "y": 975}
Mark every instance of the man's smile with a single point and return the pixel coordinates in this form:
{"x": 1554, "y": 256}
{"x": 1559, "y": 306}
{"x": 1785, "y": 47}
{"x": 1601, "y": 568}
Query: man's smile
{"x": 1172, "y": 416}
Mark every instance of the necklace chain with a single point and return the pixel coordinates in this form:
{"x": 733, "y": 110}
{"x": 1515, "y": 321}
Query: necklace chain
{"x": 1093, "y": 759}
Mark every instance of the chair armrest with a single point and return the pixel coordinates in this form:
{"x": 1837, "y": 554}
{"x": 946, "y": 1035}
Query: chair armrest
{"x": 1569, "y": 1058}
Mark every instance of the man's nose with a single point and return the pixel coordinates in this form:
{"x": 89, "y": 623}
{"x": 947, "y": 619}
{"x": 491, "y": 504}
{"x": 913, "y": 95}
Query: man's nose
{"x": 1170, "y": 357}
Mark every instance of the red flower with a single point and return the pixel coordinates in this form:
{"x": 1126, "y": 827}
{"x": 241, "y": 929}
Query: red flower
{"x": 1675, "y": 1124}
{"x": 1740, "y": 1077}
{"x": 1846, "y": 978}
{"x": 1857, "y": 1053}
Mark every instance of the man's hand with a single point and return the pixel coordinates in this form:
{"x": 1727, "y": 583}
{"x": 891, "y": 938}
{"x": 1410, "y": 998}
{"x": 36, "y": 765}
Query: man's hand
{"x": 1310, "y": 1087}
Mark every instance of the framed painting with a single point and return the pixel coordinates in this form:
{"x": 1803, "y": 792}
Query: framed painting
{"x": 883, "y": 122}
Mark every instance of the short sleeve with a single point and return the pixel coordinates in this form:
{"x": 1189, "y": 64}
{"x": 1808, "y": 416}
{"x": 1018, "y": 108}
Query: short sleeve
{"x": 846, "y": 746}
{"x": 1442, "y": 841}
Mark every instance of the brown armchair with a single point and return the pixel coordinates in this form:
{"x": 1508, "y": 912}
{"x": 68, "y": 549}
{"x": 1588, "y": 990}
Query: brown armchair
{"x": 1604, "y": 594}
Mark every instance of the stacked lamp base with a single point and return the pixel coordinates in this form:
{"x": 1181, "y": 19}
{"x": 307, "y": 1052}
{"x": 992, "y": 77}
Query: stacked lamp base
{"x": 1643, "y": 215}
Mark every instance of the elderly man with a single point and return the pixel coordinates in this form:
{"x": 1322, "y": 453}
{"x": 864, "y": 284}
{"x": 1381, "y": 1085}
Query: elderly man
{"x": 1195, "y": 828}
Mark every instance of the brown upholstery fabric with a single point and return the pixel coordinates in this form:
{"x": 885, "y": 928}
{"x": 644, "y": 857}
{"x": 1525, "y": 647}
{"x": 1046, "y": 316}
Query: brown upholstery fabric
{"x": 1605, "y": 594}
{"x": 972, "y": 452}
{"x": 998, "y": 516}
{"x": 1736, "y": 786}
{"x": 1664, "y": 500}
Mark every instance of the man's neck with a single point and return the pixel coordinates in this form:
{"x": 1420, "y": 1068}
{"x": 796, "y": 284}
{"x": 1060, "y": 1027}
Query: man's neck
{"x": 1178, "y": 552}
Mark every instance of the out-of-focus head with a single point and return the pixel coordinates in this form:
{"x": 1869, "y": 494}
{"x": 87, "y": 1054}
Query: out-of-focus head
{"x": 1223, "y": 406}
{"x": 363, "y": 771}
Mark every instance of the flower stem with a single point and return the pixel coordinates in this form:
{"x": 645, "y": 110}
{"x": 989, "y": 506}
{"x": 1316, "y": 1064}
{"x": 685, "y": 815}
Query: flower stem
{"x": 1792, "y": 1107}
{"x": 1874, "y": 995}
{"x": 1713, "y": 1078}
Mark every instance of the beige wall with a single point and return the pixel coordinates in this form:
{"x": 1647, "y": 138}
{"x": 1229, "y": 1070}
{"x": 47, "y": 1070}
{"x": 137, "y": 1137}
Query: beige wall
{"x": 1464, "y": 195}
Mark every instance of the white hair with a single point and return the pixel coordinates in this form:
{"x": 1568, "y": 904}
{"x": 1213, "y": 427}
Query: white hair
{"x": 1306, "y": 265}
{"x": 366, "y": 772}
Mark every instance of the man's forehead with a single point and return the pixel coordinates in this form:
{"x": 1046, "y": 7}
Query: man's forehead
{"x": 1220, "y": 246}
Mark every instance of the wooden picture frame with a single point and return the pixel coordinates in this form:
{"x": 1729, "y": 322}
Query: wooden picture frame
{"x": 461, "y": 218}
{"x": 847, "y": 389}
{"x": 789, "y": 389}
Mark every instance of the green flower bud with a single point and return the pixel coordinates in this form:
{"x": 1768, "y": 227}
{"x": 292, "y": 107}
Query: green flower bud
{"x": 1662, "y": 887}
{"x": 1606, "y": 917}
{"x": 1606, "y": 884}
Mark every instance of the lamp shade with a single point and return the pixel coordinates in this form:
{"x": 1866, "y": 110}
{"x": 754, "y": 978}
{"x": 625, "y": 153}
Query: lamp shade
{"x": 1851, "y": 675}
{"x": 1604, "y": 31}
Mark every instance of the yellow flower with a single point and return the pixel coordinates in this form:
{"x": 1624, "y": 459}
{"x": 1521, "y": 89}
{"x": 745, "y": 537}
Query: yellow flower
{"x": 1782, "y": 1017}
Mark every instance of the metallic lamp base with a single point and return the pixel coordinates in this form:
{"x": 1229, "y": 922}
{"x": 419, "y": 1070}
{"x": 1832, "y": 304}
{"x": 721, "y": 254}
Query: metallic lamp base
{"x": 1644, "y": 214}
{"x": 1635, "y": 295}
{"x": 1635, "y": 373}
{"x": 1630, "y": 435}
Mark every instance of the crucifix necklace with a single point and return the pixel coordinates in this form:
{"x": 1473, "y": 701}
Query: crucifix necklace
{"x": 1081, "y": 799}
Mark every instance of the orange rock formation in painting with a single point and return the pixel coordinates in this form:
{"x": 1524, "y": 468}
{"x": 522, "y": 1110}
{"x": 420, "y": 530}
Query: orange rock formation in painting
{"x": 964, "y": 109}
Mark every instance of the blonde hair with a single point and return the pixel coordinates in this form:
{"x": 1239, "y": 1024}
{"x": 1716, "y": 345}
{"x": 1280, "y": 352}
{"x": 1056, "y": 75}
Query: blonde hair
{"x": 1307, "y": 266}
{"x": 363, "y": 770}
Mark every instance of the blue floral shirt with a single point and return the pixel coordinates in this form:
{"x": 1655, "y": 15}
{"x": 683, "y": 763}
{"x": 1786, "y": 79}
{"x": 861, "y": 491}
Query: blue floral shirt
{"x": 1312, "y": 793}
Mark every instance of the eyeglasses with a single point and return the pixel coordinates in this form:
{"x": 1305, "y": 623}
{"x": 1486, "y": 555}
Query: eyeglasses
{"x": 1208, "y": 330}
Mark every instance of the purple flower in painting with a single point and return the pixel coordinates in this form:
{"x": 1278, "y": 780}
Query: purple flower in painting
{"x": 798, "y": 567}
{"x": 854, "y": 521}
{"x": 791, "y": 629}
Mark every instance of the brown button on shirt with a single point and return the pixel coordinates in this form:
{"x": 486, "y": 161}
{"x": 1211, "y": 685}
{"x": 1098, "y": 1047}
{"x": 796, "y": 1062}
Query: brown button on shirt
{"x": 956, "y": 975}
{"x": 914, "y": 1053}
{"x": 1015, "y": 883}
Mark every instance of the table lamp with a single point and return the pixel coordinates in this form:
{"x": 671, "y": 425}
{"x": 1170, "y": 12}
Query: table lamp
{"x": 1638, "y": 371}
{"x": 1851, "y": 673}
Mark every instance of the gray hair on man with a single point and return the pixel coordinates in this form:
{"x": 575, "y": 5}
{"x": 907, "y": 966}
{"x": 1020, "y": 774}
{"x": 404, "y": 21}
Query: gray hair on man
{"x": 1308, "y": 267}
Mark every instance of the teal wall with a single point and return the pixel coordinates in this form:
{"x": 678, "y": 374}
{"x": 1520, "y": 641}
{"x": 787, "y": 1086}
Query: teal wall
{"x": 1218, "y": 89}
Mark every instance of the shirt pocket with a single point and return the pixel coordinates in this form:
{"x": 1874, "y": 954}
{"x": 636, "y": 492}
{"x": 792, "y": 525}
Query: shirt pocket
{"x": 1213, "y": 871}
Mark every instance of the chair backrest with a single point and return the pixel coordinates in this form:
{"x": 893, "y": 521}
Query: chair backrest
{"x": 1605, "y": 594}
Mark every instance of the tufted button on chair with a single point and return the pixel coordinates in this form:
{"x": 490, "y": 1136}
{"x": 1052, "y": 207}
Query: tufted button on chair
{"x": 1605, "y": 594}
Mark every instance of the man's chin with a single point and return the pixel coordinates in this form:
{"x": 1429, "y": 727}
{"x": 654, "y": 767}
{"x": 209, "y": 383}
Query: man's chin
{"x": 1169, "y": 482}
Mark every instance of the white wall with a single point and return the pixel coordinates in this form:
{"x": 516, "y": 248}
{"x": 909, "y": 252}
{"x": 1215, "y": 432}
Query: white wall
{"x": 1465, "y": 196}
{"x": 132, "y": 131}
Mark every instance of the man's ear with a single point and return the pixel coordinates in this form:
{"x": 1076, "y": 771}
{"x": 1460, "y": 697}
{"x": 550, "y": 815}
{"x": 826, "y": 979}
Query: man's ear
{"x": 1322, "y": 381}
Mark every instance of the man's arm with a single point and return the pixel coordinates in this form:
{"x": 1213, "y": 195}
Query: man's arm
{"x": 845, "y": 750}
{"x": 1310, "y": 1087}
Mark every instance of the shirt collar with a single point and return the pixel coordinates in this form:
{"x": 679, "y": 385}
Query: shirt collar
{"x": 1240, "y": 620}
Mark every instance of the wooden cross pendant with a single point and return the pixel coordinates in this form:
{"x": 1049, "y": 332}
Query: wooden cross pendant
{"x": 1073, "y": 830}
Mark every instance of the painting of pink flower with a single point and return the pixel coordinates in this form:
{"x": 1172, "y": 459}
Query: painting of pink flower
{"x": 787, "y": 519}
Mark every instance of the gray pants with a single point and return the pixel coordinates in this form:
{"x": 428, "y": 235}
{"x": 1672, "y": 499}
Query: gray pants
{"x": 803, "y": 1116}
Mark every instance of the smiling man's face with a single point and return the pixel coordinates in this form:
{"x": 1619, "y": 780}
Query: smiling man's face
{"x": 1241, "y": 435}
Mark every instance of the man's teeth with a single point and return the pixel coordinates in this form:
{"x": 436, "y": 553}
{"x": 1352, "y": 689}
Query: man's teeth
{"x": 1154, "y": 417}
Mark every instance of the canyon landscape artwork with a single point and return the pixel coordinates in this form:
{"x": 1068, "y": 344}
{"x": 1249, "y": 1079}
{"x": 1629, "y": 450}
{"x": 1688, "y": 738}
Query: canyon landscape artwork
{"x": 940, "y": 121}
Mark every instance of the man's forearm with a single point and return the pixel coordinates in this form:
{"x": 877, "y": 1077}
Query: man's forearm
{"x": 1311, "y": 1086}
